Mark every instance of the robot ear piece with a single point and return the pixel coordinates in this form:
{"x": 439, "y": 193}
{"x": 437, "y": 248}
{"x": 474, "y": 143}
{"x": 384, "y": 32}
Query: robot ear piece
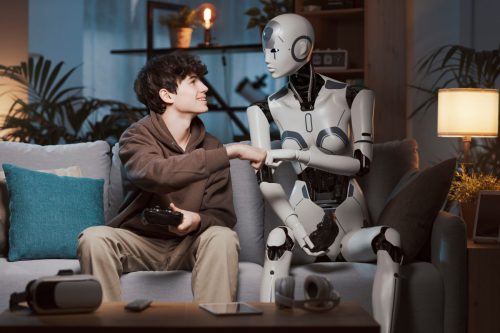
{"x": 319, "y": 294}
{"x": 317, "y": 287}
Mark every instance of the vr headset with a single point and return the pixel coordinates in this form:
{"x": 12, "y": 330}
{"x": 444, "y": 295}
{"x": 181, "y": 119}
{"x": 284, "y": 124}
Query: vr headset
{"x": 63, "y": 293}
{"x": 318, "y": 291}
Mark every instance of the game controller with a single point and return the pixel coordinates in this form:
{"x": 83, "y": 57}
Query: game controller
{"x": 158, "y": 216}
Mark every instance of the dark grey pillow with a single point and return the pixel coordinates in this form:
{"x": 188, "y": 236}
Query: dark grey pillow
{"x": 415, "y": 205}
{"x": 391, "y": 160}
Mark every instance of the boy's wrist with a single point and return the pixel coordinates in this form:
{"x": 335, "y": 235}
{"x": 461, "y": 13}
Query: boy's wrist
{"x": 233, "y": 151}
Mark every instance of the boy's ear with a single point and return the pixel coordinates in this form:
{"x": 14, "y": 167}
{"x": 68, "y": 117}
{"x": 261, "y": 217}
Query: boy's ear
{"x": 166, "y": 96}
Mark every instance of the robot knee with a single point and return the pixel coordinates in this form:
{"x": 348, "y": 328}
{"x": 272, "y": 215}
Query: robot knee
{"x": 389, "y": 240}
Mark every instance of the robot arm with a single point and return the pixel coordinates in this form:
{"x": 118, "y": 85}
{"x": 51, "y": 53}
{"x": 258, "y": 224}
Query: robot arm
{"x": 362, "y": 128}
{"x": 341, "y": 165}
{"x": 259, "y": 128}
{"x": 260, "y": 136}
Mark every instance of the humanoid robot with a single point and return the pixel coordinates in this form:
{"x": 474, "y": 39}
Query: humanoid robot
{"x": 326, "y": 133}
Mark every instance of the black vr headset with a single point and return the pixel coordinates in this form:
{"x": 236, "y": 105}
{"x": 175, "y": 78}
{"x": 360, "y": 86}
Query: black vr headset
{"x": 318, "y": 291}
{"x": 63, "y": 293}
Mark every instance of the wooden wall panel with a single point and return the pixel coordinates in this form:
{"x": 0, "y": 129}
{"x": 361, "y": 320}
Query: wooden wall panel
{"x": 385, "y": 66}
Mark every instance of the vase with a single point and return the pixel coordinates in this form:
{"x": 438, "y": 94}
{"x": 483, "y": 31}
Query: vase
{"x": 180, "y": 37}
{"x": 469, "y": 214}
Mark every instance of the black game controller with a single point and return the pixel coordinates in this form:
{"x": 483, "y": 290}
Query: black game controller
{"x": 158, "y": 216}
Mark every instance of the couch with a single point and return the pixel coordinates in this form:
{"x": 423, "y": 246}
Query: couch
{"x": 433, "y": 289}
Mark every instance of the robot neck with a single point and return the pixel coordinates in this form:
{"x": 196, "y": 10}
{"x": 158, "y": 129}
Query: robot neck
{"x": 305, "y": 85}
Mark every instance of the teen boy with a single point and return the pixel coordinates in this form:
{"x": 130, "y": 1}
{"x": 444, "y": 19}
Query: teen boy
{"x": 171, "y": 161}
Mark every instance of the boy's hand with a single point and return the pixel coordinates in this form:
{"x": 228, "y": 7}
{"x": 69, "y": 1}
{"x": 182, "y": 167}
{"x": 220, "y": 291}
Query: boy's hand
{"x": 255, "y": 155}
{"x": 190, "y": 222}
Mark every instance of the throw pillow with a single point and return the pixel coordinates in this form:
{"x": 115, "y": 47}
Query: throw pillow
{"x": 47, "y": 212}
{"x": 93, "y": 158}
{"x": 414, "y": 206}
{"x": 72, "y": 171}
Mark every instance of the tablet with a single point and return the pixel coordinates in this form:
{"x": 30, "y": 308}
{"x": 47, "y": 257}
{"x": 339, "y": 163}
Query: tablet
{"x": 487, "y": 219}
{"x": 229, "y": 309}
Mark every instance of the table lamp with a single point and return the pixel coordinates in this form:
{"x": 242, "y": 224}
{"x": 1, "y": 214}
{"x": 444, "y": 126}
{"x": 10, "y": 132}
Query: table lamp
{"x": 467, "y": 113}
{"x": 206, "y": 16}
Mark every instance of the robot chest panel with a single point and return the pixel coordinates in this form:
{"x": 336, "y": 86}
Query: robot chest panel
{"x": 326, "y": 127}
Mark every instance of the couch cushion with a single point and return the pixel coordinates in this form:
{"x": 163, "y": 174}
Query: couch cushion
{"x": 391, "y": 160}
{"x": 249, "y": 209}
{"x": 14, "y": 276}
{"x": 115, "y": 182}
{"x": 92, "y": 158}
{"x": 47, "y": 212}
{"x": 176, "y": 285}
{"x": 415, "y": 205}
{"x": 73, "y": 171}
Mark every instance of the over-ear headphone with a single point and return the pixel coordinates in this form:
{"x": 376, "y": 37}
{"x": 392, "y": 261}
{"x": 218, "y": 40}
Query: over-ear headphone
{"x": 318, "y": 291}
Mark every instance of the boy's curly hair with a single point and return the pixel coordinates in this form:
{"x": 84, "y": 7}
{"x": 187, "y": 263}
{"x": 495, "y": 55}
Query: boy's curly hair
{"x": 165, "y": 72}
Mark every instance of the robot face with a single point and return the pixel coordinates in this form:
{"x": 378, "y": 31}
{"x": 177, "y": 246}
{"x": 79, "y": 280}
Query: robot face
{"x": 287, "y": 42}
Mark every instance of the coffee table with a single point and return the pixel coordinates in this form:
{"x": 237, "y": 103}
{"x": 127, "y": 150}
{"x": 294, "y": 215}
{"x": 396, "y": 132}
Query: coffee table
{"x": 188, "y": 317}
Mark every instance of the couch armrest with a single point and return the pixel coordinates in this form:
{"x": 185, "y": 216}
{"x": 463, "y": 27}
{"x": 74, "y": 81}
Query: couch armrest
{"x": 449, "y": 255}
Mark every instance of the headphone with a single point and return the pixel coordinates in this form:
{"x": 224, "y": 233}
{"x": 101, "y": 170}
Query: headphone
{"x": 318, "y": 291}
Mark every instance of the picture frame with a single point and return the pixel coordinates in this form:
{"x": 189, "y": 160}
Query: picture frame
{"x": 487, "y": 217}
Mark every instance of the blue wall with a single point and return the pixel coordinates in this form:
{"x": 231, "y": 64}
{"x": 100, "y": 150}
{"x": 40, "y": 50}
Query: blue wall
{"x": 56, "y": 32}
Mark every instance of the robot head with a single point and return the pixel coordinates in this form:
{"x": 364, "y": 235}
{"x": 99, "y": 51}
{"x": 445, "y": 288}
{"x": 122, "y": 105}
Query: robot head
{"x": 287, "y": 42}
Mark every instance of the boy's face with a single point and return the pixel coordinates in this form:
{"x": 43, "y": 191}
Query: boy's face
{"x": 191, "y": 95}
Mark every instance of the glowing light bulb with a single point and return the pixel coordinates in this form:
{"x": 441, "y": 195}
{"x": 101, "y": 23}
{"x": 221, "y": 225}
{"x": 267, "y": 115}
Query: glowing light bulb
{"x": 207, "y": 15}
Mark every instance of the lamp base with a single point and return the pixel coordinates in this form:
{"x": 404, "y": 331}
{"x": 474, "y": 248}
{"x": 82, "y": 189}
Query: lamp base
{"x": 207, "y": 39}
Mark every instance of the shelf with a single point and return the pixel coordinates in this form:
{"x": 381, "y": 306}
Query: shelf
{"x": 352, "y": 73}
{"x": 334, "y": 13}
{"x": 217, "y": 48}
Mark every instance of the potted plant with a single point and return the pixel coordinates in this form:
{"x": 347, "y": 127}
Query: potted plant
{"x": 271, "y": 8}
{"x": 181, "y": 26}
{"x": 55, "y": 114}
{"x": 465, "y": 188}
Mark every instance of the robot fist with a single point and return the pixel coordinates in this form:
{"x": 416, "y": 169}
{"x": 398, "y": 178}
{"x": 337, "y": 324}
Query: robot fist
{"x": 276, "y": 156}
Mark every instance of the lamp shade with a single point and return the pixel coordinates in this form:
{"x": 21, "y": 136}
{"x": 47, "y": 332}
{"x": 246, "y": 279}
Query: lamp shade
{"x": 468, "y": 112}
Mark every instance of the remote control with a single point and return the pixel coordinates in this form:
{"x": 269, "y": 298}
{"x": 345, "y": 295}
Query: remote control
{"x": 138, "y": 305}
{"x": 160, "y": 216}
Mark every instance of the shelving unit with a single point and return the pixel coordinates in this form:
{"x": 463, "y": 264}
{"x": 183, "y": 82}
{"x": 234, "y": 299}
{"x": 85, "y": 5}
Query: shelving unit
{"x": 375, "y": 36}
{"x": 339, "y": 29}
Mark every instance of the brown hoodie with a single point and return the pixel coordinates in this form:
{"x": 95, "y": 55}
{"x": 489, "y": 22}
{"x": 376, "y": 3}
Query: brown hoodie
{"x": 159, "y": 172}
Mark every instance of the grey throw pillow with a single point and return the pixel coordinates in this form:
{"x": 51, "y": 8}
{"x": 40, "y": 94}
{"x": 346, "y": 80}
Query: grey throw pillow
{"x": 415, "y": 203}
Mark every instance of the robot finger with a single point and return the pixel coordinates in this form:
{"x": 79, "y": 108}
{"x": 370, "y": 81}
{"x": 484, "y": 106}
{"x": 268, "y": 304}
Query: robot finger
{"x": 313, "y": 254}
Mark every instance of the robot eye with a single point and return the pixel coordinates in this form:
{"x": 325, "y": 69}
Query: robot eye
{"x": 274, "y": 51}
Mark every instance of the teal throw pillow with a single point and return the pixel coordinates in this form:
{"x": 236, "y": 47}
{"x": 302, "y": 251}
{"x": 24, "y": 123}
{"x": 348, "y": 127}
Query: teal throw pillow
{"x": 47, "y": 212}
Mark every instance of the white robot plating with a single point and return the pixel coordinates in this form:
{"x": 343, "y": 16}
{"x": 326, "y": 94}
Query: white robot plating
{"x": 326, "y": 134}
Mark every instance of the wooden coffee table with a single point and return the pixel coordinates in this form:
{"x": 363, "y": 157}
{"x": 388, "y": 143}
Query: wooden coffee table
{"x": 188, "y": 317}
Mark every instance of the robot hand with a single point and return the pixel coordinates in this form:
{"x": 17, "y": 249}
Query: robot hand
{"x": 276, "y": 156}
{"x": 306, "y": 244}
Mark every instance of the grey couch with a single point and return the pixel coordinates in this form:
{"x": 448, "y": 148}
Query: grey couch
{"x": 433, "y": 294}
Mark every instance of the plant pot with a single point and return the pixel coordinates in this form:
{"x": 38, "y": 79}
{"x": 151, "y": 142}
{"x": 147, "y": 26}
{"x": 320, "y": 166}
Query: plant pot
{"x": 180, "y": 37}
{"x": 469, "y": 214}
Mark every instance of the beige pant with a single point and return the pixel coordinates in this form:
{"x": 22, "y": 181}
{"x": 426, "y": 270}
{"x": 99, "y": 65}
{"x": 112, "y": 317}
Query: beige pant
{"x": 107, "y": 253}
